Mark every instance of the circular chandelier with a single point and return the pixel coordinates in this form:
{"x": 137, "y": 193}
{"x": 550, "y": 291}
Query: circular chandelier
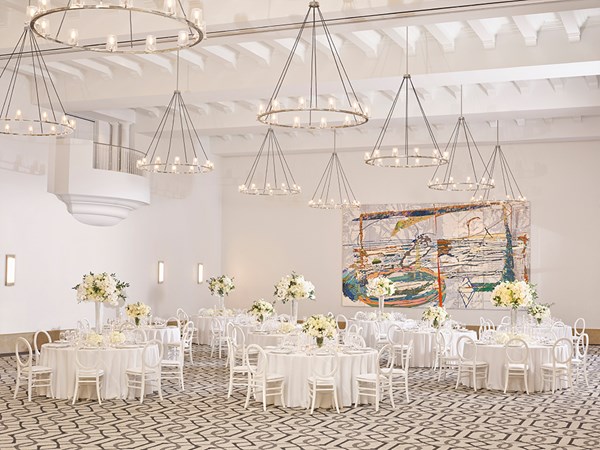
{"x": 312, "y": 111}
{"x": 270, "y": 173}
{"x": 123, "y": 25}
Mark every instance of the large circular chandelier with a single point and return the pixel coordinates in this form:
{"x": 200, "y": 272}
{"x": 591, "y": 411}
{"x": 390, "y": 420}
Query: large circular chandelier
{"x": 124, "y": 25}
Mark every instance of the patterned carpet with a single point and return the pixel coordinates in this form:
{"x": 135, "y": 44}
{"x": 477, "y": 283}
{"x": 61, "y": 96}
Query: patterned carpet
{"x": 438, "y": 418}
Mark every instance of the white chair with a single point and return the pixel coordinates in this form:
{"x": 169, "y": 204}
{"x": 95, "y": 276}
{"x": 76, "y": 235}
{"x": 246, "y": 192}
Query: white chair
{"x": 354, "y": 340}
{"x": 183, "y": 318}
{"x": 127, "y": 326}
{"x": 84, "y": 326}
{"x": 323, "y": 380}
{"x": 37, "y": 348}
{"x": 88, "y": 373}
{"x": 260, "y": 380}
{"x": 187, "y": 338}
{"x": 398, "y": 377}
{"x": 238, "y": 365}
{"x": 360, "y": 315}
{"x": 171, "y": 366}
{"x": 578, "y": 329}
{"x": 217, "y": 336}
{"x": 505, "y": 320}
{"x": 560, "y": 368}
{"x": 339, "y": 319}
{"x": 485, "y": 326}
{"x": 137, "y": 336}
{"x": 35, "y": 376}
{"x": 173, "y": 321}
{"x": 149, "y": 372}
{"x": 557, "y": 330}
{"x": 202, "y": 312}
{"x": 284, "y": 318}
{"x": 375, "y": 384}
{"x": 579, "y": 361}
{"x": 517, "y": 361}
{"x": 446, "y": 359}
{"x": 381, "y": 338}
{"x": 395, "y": 337}
{"x": 468, "y": 365}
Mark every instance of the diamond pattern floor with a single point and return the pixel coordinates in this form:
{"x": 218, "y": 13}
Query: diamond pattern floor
{"x": 437, "y": 418}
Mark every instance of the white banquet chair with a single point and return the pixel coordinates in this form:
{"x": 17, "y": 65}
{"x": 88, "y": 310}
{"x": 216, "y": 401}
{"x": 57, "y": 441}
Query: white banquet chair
{"x": 35, "y": 376}
{"x": 560, "y": 368}
{"x": 36, "y": 347}
{"x": 445, "y": 360}
{"x": 321, "y": 380}
{"x": 284, "y": 318}
{"x": 398, "y": 377}
{"x": 171, "y": 366}
{"x": 374, "y": 384}
{"x": 217, "y": 336}
{"x": 187, "y": 338}
{"x": 557, "y": 329}
{"x": 149, "y": 372}
{"x": 260, "y": 380}
{"x": 238, "y": 365}
{"x": 516, "y": 353}
{"x": 395, "y": 337}
{"x": 354, "y": 340}
{"x": 381, "y": 338}
{"x": 578, "y": 329}
{"x": 579, "y": 360}
{"x": 360, "y": 315}
{"x": 468, "y": 364}
{"x": 83, "y": 326}
{"x": 89, "y": 373}
{"x": 339, "y": 319}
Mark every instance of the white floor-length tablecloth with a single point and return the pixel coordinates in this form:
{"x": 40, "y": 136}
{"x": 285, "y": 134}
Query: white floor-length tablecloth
{"x": 369, "y": 327}
{"x": 495, "y": 356}
{"x": 297, "y": 367}
{"x": 114, "y": 361}
{"x": 264, "y": 339}
{"x": 166, "y": 335}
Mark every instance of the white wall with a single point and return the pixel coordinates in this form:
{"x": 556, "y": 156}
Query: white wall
{"x": 182, "y": 227}
{"x": 265, "y": 238}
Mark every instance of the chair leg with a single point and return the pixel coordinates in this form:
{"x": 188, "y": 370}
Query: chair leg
{"x": 264, "y": 397}
{"x": 159, "y": 385}
{"x": 526, "y": 387}
{"x": 506, "y": 376}
{"x": 230, "y": 390}
{"x": 17, "y": 386}
{"x": 474, "y": 379}
{"x": 142, "y": 390}
{"x": 98, "y": 391}
{"x": 248, "y": 392}
{"x": 391, "y": 394}
{"x": 335, "y": 399}
{"x": 281, "y": 395}
{"x": 457, "y": 378}
{"x": 76, "y": 390}
{"x": 181, "y": 377}
{"x": 313, "y": 390}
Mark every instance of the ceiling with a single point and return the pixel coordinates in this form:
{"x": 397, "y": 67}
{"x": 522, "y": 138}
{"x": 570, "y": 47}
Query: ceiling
{"x": 534, "y": 65}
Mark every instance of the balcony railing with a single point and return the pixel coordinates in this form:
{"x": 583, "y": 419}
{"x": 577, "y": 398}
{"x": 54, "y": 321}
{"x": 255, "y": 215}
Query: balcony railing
{"x": 117, "y": 158}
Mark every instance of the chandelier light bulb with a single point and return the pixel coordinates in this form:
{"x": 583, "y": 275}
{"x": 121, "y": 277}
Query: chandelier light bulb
{"x": 323, "y": 122}
{"x": 395, "y": 151}
{"x": 44, "y": 27}
{"x": 127, "y": 3}
{"x": 43, "y": 5}
{"x": 30, "y": 12}
{"x": 296, "y": 122}
{"x": 197, "y": 16}
{"x": 77, "y": 4}
{"x": 169, "y": 7}
{"x": 301, "y": 103}
{"x": 7, "y": 128}
{"x": 44, "y": 116}
{"x": 30, "y": 129}
{"x": 177, "y": 160}
{"x": 111, "y": 43}
{"x": 331, "y": 103}
{"x": 18, "y": 115}
{"x": 183, "y": 38}
{"x": 195, "y": 161}
{"x": 150, "y": 43}
{"x": 74, "y": 37}
{"x": 347, "y": 121}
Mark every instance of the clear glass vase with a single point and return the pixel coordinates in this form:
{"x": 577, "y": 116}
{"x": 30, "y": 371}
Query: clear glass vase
{"x": 513, "y": 320}
{"x": 99, "y": 320}
{"x": 380, "y": 308}
{"x": 294, "y": 312}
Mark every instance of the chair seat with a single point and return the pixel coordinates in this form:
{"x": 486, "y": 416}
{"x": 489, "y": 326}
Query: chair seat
{"x": 473, "y": 363}
{"x": 37, "y": 369}
{"x": 370, "y": 377}
{"x": 138, "y": 371}
{"x": 170, "y": 363}
{"x": 89, "y": 373}
{"x": 549, "y": 366}
{"x": 243, "y": 369}
{"x": 517, "y": 366}
{"x": 275, "y": 377}
{"x": 322, "y": 381}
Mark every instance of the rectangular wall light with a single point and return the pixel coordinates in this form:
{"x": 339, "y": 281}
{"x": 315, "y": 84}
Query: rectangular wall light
{"x": 200, "y": 273}
{"x": 10, "y": 270}
{"x": 161, "y": 272}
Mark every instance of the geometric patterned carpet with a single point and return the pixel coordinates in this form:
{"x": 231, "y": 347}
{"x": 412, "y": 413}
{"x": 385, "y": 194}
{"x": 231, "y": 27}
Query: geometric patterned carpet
{"x": 437, "y": 418}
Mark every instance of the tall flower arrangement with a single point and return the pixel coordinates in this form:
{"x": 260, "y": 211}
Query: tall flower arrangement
{"x": 101, "y": 288}
{"x": 513, "y": 294}
{"x": 294, "y": 287}
{"x": 221, "y": 286}
{"x": 380, "y": 287}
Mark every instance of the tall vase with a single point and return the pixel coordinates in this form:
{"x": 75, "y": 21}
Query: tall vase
{"x": 294, "y": 314}
{"x": 99, "y": 321}
{"x": 380, "y": 308}
{"x": 513, "y": 320}
{"x": 221, "y": 302}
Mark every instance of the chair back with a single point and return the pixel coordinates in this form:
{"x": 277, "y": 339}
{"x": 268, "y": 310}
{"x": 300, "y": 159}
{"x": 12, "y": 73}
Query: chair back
{"x": 505, "y": 320}
{"x": 23, "y": 362}
{"x": 83, "y": 325}
{"x": 407, "y": 355}
{"x": 579, "y": 326}
{"x": 320, "y": 369}
{"x": 355, "y": 340}
{"x": 182, "y": 316}
{"x": 385, "y": 359}
{"x": 91, "y": 364}
{"x": 259, "y": 370}
{"x": 353, "y": 328}
{"x": 581, "y": 347}
{"x": 395, "y": 335}
{"x": 173, "y": 321}
{"x": 127, "y": 326}
{"x": 442, "y": 339}
{"x": 466, "y": 349}
{"x": 284, "y": 318}
{"x": 188, "y": 333}
{"x": 202, "y": 312}
{"x": 238, "y": 337}
{"x": 37, "y": 348}
{"x": 339, "y": 319}
{"x": 147, "y": 364}
{"x": 138, "y": 336}
{"x": 516, "y": 351}
{"x": 216, "y": 326}
{"x": 360, "y": 315}
{"x": 562, "y": 352}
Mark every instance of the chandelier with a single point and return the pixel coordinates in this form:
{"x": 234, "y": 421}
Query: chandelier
{"x": 270, "y": 173}
{"x": 405, "y": 158}
{"x": 46, "y": 115}
{"x": 316, "y": 109}
{"x": 123, "y": 25}
{"x": 511, "y": 188}
{"x": 166, "y": 158}
{"x": 334, "y": 190}
{"x": 461, "y": 173}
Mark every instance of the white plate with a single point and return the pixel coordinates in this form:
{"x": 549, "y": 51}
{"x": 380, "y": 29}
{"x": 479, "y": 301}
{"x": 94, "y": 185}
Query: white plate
{"x": 127, "y": 346}
{"x": 281, "y": 351}
{"x": 56, "y": 345}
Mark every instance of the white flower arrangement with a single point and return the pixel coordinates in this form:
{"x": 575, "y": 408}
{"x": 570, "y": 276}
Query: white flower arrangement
{"x": 384, "y": 316}
{"x": 137, "y": 310}
{"x": 221, "y": 286}
{"x": 294, "y": 287}
{"x": 437, "y": 315}
{"x": 380, "y": 287}
{"x": 94, "y": 339}
{"x": 261, "y": 309}
{"x": 513, "y": 294}
{"x": 286, "y": 327}
{"x": 116, "y": 338}
{"x": 219, "y": 312}
{"x": 101, "y": 288}
{"x": 538, "y": 311}
{"x": 320, "y": 326}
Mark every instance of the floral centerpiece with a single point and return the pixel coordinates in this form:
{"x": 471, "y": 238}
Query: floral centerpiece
{"x": 437, "y": 315}
{"x": 513, "y": 294}
{"x": 374, "y": 316}
{"x": 101, "y": 288}
{"x": 219, "y": 312}
{"x": 286, "y": 327}
{"x": 538, "y": 311}
{"x": 320, "y": 327}
{"x": 261, "y": 309}
{"x": 137, "y": 310}
{"x": 380, "y": 287}
{"x": 221, "y": 287}
{"x": 116, "y": 338}
{"x": 94, "y": 339}
{"x": 292, "y": 288}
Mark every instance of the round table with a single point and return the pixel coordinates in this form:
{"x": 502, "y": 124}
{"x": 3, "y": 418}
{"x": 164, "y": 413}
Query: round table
{"x": 264, "y": 339}
{"x": 202, "y": 324}
{"x": 166, "y": 335}
{"x": 368, "y": 328}
{"x": 297, "y": 367}
{"x": 113, "y": 360}
{"x": 424, "y": 345}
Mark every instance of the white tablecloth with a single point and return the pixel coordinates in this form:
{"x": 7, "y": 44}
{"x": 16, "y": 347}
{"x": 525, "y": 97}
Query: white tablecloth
{"x": 495, "y": 356}
{"x": 368, "y": 328}
{"x": 547, "y": 332}
{"x": 297, "y": 367}
{"x": 114, "y": 361}
{"x": 264, "y": 339}
{"x": 166, "y": 335}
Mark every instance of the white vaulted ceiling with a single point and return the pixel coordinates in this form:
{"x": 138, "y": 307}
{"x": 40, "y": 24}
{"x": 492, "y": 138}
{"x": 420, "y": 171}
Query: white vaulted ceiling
{"x": 534, "y": 65}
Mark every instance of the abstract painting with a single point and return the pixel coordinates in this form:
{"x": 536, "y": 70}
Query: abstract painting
{"x": 450, "y": 254}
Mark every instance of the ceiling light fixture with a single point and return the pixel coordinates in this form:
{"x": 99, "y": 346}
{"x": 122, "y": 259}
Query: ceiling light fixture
{"x": 277, "y": 179}
{"x": 511, "y": 188}
{"x": 338, "y": 196}
{"x": 125, "y": 25}
{"x": 46, "y": 115}
{"x": 405, "y": 158}
{"x": 316, "y": 110}
{"x": 165, "y": 159}
{"x": 461, "y": 172}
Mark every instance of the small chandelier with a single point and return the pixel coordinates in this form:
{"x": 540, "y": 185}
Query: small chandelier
{"x": 124, "y": 22}
{"x": 164, "y": 158}
{"x": 405, "y": 159}
{"x": 277, "y": 178}
{"x": 461, "y": 172}
{"x": 512, "y": 191}
{"x": 334, "y": 190}
{"x": 46, "y": 116}
{"x": 311, "y": 111}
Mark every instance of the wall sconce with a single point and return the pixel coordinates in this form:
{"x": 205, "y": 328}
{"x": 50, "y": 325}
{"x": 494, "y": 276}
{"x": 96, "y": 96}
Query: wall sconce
{"x": 10, "y": 270}
{"x": 200, "y": 273}
{"x": 161, "y": 272}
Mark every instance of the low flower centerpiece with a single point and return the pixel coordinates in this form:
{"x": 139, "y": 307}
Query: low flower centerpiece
{"x": 101, "y": 289}
{"x": 221, "y": 287}
{"x": 538, "y": 311}
{"x": 380, "y": 287}
{"x": 94, "y": 339}
{"x": 137, "y": 311}
{"x": 320, "y": 327}
{"x": 261, "y": 310}
{"x": 116, "y": 338}
{"x": 292, "y": 288}
{"x": 513, "y": 294}
{"x": 436, "y": 315}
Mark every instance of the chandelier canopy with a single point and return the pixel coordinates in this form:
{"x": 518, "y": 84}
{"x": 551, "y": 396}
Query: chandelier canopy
{"x": 270, "y": 173}
{"x": 316, "y": 109}
{"x": 125, "y": 25}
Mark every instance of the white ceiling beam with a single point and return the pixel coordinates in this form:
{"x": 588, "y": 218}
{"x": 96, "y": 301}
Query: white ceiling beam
{"x": 150, "y": 111}
{"x": 486, "y": 30}
{"x": 125, "y": 63}
{"x": 258, "y": 51}
{"x": 112, "y": 115}
{"x": 65, "y": 69}
{"x": 522, "y": 87}
{"x": 592, "y": 81}
{"x": 95, "y": 66}
{"x": 558, "y": 84}
{"x": 159, "y": 61}
{"x": 324, "y": 46}
{"x": 367, "y": 41}
{"x": 250, "y": 105}
{"x": 527, "y": 29}
{"x": 571, "y": 25}
{"x": 445, "y": 34}
{"x": 200, "y": 108}
{"x": 288, "y": 44}
{"x": 488, "y": 89}
{"x": 398, "y": 36}
{"x": 454, "y": 91}
{"x": 193, "y": 58}
{"x": 224, "y": 107}
{"x": 224, "y": 53}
